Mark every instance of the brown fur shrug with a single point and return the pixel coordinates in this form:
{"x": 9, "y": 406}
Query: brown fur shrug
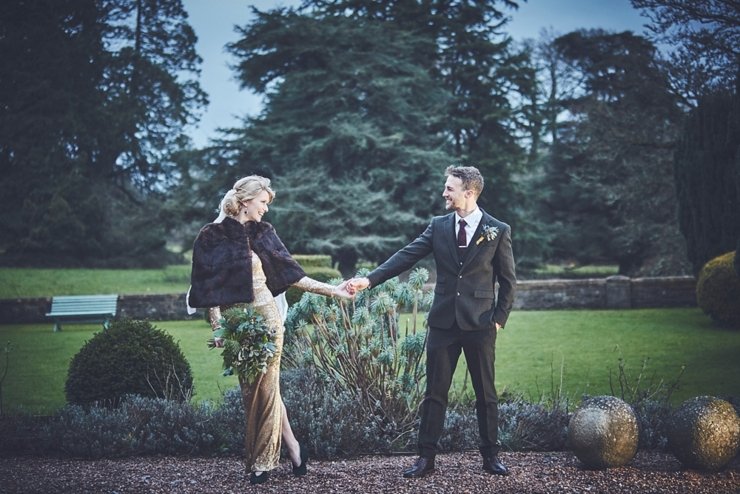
{"x": 222, "y": 263}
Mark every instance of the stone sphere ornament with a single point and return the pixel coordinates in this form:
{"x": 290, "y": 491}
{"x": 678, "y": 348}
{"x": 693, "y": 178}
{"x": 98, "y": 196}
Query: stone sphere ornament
{"x": 603, "y": 432}
{"x": 704, "y": 433}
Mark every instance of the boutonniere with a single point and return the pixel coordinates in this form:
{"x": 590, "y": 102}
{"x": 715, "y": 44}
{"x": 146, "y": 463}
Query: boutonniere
{"x": 489, "y": 233}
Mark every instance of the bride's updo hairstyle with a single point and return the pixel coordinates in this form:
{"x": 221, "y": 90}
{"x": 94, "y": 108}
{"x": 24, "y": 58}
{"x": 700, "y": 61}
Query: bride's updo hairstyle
{"x": 244, "y": 189}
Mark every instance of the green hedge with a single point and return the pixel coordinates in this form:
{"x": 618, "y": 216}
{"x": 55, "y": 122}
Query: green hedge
{"x": 313, "y": 260}
{"x": 718, "y": 290}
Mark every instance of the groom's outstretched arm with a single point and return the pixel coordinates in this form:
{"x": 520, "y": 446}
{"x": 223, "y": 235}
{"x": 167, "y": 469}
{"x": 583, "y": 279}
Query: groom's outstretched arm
{"x": 399, "y": 262}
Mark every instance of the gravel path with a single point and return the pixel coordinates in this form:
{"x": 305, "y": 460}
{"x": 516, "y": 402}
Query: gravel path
{"x": 557, "y": 472}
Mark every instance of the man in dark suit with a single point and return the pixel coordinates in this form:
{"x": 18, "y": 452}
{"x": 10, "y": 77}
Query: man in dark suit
{"x": 472, "y": 251}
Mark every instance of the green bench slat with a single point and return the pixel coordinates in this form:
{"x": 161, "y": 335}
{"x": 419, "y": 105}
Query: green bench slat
{"x": 83, "y": 307}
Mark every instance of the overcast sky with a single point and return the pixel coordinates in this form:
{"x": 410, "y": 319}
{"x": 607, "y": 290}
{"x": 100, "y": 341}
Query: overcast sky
{"x": 214, "y": 21}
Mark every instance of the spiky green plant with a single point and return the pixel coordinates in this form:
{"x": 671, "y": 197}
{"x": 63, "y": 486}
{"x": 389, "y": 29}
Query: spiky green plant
{"x": 363, "y": 346}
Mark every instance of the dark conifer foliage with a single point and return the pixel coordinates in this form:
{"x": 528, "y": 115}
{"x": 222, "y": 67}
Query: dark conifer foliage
{"x": 707, "y": 167}
{"x": 94, "y": 96}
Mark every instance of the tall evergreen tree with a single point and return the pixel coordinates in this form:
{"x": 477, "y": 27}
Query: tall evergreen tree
{"x": 704, "y": 65}
{"x": 491, "y": 111}
{"x": 50, "y": 65}
{"x": 390, "y": 114}
{"x": 349, "y": 103}
{"x": 150, "y": 87}
{"x": 614, "y": 198}
{"x": 94, "y": 96}
{"x": 707, "y": 166}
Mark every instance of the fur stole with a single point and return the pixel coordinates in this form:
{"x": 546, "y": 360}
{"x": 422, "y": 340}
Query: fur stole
{"x": 222, "y": 263}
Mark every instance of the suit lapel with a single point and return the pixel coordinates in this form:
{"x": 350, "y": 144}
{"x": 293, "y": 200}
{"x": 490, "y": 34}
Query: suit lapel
{"x": 448, "y": 232}
{"x": 472, "y": 249}
{"x": 474, "y": 246}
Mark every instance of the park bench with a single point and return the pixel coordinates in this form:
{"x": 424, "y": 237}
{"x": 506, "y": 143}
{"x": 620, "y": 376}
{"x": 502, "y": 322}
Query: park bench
{"x": 83, "y": 308}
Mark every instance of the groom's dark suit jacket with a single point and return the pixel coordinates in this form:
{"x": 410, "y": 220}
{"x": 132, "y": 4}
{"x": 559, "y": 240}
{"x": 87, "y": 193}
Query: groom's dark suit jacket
{"x": 463, "y": 293}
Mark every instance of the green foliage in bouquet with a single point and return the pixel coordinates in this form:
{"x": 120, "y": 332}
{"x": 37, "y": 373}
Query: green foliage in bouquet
{"x": 249, "y": 343}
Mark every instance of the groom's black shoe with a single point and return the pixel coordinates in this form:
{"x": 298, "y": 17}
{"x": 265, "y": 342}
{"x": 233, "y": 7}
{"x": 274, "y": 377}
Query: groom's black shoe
{"x": 421, "y": 467}
{"x": 493, "y": 465}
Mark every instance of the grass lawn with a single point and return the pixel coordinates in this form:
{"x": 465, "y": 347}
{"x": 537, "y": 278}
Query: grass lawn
{"x": 40, "y": 282}
{"x": 588, "y": 345}
{"x": 531, "y": 351}
{"x": 39, "y": 360}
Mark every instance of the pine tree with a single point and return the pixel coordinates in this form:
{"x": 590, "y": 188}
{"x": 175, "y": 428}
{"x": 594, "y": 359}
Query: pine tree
{"x": 94, "y": 96}
{"x": 707, "y": 168}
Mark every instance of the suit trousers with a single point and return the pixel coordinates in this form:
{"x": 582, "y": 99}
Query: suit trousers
{"x": 443, "y": 351}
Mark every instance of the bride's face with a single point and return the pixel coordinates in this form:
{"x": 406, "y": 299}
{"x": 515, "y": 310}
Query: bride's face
{"x": 255, "y": 208}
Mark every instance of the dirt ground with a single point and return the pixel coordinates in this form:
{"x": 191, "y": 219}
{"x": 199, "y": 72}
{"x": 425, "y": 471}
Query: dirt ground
{"x": 557, "y": 472}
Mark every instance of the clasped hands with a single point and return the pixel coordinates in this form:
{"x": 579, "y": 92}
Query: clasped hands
{"x": 349, "y": 288}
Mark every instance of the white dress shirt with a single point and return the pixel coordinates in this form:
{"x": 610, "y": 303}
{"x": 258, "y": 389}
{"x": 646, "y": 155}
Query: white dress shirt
{"x": 472, "y": 221}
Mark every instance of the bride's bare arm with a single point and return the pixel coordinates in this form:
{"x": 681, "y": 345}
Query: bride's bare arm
{"x": 310, "y": 285}
{"x": 214, "y": 317}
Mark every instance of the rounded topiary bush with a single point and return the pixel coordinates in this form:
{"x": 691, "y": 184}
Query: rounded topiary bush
{"x": 704, "y": 433}
{"x": 130, "y": 357}
{"x": 718, "y": 290}
{"x": 603, "y": 432}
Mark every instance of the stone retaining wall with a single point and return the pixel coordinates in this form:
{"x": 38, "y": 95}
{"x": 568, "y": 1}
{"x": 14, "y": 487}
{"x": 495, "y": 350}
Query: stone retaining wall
{"x": 614, "y": 292}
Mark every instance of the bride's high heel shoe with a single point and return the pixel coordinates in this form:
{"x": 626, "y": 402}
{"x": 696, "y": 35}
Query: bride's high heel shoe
{"x": 302, "y": 468}
{"x": 259, "y": 479}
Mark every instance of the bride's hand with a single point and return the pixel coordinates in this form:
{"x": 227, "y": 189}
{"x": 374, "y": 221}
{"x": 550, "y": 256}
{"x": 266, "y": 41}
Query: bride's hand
{"x": 344, "y": 290}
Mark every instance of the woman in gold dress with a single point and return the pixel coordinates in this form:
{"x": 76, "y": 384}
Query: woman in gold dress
{"x": 239, "y": 259}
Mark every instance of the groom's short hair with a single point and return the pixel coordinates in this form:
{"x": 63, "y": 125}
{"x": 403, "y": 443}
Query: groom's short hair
{"x": 470, "y": 176}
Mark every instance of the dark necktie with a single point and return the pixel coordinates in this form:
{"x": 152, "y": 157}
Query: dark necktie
{"x": 462, "y": 239}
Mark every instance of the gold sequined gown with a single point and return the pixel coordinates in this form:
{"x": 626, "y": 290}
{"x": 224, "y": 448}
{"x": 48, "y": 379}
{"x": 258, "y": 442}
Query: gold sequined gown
{"x": 262, "y": 401}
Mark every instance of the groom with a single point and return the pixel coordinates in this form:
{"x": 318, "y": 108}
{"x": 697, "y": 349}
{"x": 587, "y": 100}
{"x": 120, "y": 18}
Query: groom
{"x": 472, "y": 251}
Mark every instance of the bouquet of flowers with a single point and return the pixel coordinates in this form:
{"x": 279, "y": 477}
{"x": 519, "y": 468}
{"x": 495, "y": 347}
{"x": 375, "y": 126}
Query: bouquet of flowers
{"x": 249, "y": 343}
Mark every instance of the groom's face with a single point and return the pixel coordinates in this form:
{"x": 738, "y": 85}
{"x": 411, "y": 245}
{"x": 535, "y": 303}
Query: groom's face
{"x": 453, "y": 193}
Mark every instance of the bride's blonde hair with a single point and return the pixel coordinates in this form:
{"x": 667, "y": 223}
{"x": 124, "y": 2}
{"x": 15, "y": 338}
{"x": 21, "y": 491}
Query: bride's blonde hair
{"x": 244, "y": 189}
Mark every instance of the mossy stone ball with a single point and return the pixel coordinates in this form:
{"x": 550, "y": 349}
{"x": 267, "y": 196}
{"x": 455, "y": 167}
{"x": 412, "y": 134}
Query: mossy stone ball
{"x": 704, "y": 433}
{"x": 603, "y": 432}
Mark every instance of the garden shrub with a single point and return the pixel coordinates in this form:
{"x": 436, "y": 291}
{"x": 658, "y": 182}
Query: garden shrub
{"x": 460, "y": 431}
{"x": 718, "y": 290}
{"x": 21, "y": 435}
{"x": 130, "y": 357}
{"x": 364, "y": 349}
{"x": 138, "y": 426}
{"x": 227, "y": 421}
{"x": 653, "y": 418}
{"x": 650, "y": 399}
{"x": 527, "y": 426}
{"x": 326, "y": 417}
